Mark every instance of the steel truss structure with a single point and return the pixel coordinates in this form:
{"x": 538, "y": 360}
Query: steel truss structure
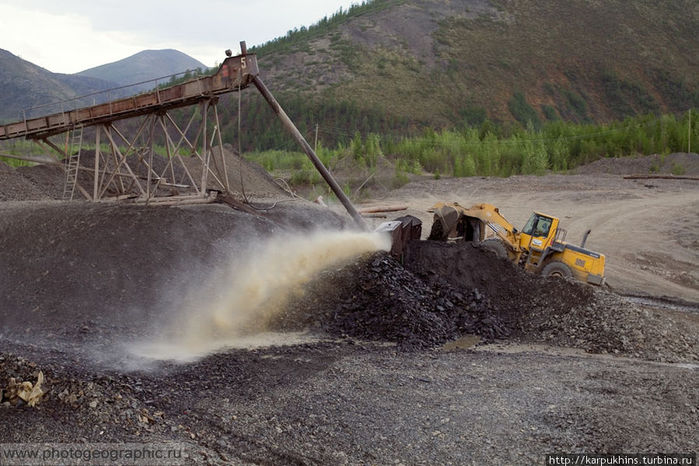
{"x": 129, "y": 167}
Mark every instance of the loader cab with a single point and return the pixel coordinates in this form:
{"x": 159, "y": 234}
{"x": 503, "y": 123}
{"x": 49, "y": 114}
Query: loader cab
{"x": 539, "y": 232}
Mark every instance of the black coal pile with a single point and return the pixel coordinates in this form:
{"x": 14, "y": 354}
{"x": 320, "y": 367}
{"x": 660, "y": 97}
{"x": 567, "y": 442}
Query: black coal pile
{"x": 556, "y": 311}
{"x": 376, "y": 298}
{"x": 510, "y": 289}
{"x": 443, "y": 291}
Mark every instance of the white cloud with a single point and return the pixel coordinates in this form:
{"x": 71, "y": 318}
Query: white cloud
{"x": 73, "y": 35}
{"x": 64, "y": 43}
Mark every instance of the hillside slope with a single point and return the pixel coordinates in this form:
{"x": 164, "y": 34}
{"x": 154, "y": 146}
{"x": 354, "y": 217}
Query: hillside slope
{"x": 397, "y": 66}
{"x": 143, "y": 66}
{"x": 25, "y": 85}
{"x": 449, "y": 62}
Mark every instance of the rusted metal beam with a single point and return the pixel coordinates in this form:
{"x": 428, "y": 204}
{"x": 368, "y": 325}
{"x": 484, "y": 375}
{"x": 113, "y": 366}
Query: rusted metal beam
{"x": 205, "y": 146}
{"x": 31, "y": 158}
{"x": 96, "y": 177}
{"x": 220, "y": 146}
{"x": 661, "y": 177}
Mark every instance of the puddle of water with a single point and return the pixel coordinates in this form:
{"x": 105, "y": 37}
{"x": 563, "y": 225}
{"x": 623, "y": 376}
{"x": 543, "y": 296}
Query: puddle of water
{"x": 465, "y": 342}
{"x": 662, "y": 304}
{"x": 175, "y": 351}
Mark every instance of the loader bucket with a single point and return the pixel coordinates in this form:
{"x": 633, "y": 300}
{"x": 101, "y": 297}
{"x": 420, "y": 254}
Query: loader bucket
{"x": 402, "y": 230}
{"x": 444, "y": 224}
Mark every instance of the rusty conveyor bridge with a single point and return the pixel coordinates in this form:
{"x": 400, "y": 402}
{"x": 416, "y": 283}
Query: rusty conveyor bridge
{"x": 112, "y": 173}
{"x": 235, "y": 73}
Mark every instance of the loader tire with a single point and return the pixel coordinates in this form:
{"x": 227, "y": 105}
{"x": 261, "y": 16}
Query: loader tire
{"x": 557, "y": 269}
{"x": 497, "y": 246}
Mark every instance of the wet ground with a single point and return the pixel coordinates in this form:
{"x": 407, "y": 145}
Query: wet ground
{"x": 573, "y": 369}
{"x": 350, "y": 402}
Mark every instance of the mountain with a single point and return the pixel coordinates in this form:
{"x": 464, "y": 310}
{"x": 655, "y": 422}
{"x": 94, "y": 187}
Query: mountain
{"x": 144, "y": 66}
{"x": 399, "y": 66}
{"x": 416, "y": 63}
{"x": 25, "y": 85}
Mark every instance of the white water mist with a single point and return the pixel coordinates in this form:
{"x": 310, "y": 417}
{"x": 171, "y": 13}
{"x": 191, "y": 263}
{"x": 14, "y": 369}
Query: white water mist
{"x": 254, "y": 289}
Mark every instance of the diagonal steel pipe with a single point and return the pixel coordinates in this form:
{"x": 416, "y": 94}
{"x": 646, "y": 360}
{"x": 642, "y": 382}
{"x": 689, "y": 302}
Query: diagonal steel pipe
{"x": 289, "y": 125}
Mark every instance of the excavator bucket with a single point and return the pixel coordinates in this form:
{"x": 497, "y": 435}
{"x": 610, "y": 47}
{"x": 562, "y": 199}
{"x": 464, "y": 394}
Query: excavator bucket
{"x": 446, "y": 218}
{"x": 402, "y": 230}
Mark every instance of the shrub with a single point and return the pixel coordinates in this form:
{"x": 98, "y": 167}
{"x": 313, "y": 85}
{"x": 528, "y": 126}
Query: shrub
{"x": 576, "y": 103}
{"x": 522, "y": 111}
{"x": 493, "y": 150}
{"x": 677, "y": 169}
{"x": 549, "y": 112}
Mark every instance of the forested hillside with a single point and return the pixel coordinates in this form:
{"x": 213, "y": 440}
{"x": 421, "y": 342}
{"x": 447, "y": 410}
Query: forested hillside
{"x": 400, "y": 65}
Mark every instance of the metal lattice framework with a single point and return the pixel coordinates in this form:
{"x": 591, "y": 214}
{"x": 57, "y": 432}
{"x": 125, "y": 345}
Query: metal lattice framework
{"x": 129, "y": 167}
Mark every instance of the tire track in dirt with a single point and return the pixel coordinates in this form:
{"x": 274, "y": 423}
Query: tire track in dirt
{"x": 629, "y": 220}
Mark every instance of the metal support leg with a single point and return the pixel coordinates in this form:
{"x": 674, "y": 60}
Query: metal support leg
{"x": 309, "y": 152}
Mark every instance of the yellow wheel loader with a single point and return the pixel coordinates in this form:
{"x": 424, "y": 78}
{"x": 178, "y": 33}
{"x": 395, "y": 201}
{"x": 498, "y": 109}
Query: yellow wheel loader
{"x": 539, "y": 247}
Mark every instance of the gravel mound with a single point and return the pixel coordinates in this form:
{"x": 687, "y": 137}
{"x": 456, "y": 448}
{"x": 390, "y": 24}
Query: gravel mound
{"x": 73, "y": 271}
{"x": 49, "y": 180}
{"x": 446, "y": 290}
{"x": 610, "y": 324}
{"x": 511, "y": 290}
{"x": 376, "y": 298}
{"x": 15, "y": 187}
{"x": 556, "y": 311}
{"x": 677, "y": 163}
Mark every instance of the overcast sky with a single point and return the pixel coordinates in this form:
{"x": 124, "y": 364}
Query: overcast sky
{"x": 67, "y": 36}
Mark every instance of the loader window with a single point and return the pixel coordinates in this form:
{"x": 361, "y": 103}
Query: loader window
{"x": 537, "y": 225}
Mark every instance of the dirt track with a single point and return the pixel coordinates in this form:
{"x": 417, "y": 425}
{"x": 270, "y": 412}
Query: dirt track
{"x": 648, "y": 229}
{"x": 335, "y": 400}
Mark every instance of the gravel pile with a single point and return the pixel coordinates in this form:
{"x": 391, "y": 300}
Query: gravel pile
{"x": 610, "y": 324}
{"x": 49, "y": 180}
{"x": 36, "y": 183}
{"x": 15, "y": 187}
{"x": 511, "y": 290}
{"x": 376, "y": 298}
{"x": 557, "y": 311}
{"x": 445, "y": 291}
